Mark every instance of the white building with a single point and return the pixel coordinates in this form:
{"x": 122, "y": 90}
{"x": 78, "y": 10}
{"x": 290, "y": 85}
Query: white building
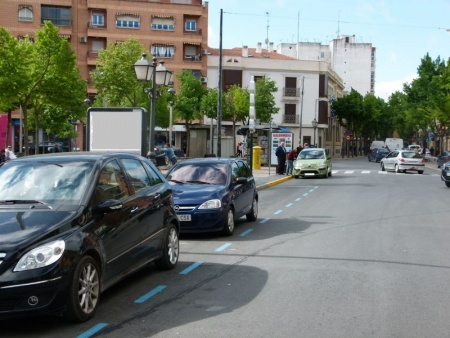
{"x": 354, "y": 62}
{"x": 304, "y": 87}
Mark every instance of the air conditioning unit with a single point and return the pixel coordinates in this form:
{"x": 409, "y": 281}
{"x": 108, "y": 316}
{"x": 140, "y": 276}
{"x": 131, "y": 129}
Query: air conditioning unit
{"x": 204, "y": 51}
{"x": 204, "y": 79}
{"x": 83, "y": 39}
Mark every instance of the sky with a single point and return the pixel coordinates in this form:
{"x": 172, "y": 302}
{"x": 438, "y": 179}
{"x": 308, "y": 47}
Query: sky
{"x": 402, "y": 31}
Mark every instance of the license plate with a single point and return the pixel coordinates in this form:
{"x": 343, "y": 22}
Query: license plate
{"x": 309, "y": 174}
{"x": 184, "y": 218}
{"x": 448, "y": 174}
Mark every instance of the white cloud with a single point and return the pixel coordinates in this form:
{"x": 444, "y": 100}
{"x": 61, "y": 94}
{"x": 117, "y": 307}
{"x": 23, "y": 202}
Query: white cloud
{"x": 384, "y": 89}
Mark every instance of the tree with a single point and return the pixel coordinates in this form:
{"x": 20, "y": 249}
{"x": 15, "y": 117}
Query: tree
{"x": 239, "y": 103}
{"x": 187, "y": 105}
{"x": 265, "y": 105}
{"x": 115, "y": 78}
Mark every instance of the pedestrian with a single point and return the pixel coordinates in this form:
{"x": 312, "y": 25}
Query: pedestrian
{"x": 56, "y": 148}
{"x": 9, "y": 154}
{"x": 280, "y": 153}
{"x": 2, "y": 156}
{"x": 306, "y": 145}
{"x": 239, "y": 149}
{"x": 170, "y": 154}
{"x": 290, "y": 158}
{"x": 432, "y": 151}
{"x": 424, "y": 152}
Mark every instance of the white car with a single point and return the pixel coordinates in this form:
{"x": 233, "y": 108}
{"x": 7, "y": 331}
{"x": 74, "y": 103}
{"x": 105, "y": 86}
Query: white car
{"x": 403, "y": 161}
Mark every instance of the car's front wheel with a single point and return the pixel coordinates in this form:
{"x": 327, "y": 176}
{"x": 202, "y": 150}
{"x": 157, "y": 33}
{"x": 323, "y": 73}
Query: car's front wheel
{"x": 382, "y": 167}
{"x": 84, "y": 293}
{"x": 228, "y": 227}
{"x": 253, "y": 214}
{"x": 171, "y": 250}
{"x": 447, "y": 184}
{"x": 420, "y": 171}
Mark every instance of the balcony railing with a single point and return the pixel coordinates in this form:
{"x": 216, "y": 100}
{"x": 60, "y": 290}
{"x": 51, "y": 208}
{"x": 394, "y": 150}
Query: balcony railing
{"x": 291, "y": 92}
{"x": 289, "y": 118}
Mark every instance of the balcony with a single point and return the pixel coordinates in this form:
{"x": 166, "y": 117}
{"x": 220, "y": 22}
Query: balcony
{"x": 291, "y": 93}
{"x": 290, "y": 118}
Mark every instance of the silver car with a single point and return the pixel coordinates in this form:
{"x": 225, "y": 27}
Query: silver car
{"x": 403, "y": 161}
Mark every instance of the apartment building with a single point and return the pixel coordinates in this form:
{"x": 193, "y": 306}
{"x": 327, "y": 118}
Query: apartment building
{"x": 173, "y": 30}
{"x": 305, "y": 89}
{"x": 353, "y": 61}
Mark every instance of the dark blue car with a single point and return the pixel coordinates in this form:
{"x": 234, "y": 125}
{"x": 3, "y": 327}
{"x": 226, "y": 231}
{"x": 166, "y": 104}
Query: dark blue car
{"x": 377, "y": 154}
{"x": 211, "y": 193}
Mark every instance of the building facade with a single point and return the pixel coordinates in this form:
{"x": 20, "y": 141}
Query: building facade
{"x": 305, "y": 90}
{"x": 173, "y": 30}
{"x": 353, "y": 61}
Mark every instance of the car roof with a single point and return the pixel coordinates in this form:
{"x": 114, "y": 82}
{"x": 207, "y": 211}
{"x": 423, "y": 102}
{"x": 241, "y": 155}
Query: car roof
{"x": 211, "y": 160}
{"x": 82, "y": 155}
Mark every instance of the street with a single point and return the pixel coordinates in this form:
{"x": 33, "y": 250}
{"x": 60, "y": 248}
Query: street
{"x": 363, "y": 253}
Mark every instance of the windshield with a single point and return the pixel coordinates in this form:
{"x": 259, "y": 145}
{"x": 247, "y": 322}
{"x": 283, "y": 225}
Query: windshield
{"x": 44, "y": 181}
{"x": 200, "y": 173}
{"x": 311, "y": 155}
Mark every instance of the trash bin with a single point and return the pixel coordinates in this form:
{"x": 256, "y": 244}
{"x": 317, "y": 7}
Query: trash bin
{"x": 256, "y": 164}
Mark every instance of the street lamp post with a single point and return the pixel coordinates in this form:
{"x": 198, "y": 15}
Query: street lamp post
{"x": 315, "y": 114}
{"x": 160, "y": 76}
{"x": 171, "y": 93}
{"x": 314, "y": 124}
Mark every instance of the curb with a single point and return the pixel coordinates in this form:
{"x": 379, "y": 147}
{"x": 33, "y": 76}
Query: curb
{"x": 274, "y": 182}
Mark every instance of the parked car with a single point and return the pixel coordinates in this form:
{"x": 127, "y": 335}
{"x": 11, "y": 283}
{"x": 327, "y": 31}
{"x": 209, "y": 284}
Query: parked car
{"x": 312, "y": 162}
{"x": 211, "y": 193}
{"x": 377, "y": 145}
{"x": 445, "y": 174}
{"x": 403, "y": 161}
{"x": 444, "y": 157}
{"x": 74, "y": 224}
{"x": 377, "y": 154}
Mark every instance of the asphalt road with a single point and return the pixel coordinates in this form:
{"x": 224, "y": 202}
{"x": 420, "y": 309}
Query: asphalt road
{"x": 363, "y": 253}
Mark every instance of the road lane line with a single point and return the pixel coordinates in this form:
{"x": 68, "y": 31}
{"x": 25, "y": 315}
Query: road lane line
{"x": 92, "y": 331}
{"x": 264, "y": 220}
{"x": 246, "y": 232}
{"x": 223, "y": 247}
{"x": 150, "y": 294}
{"x": 288, "y": 205}
{"x": 190, "y": 268}
{"x": 278, "y": 212}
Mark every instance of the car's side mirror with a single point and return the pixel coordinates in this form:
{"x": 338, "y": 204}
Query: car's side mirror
{"x": 240, "y": 180}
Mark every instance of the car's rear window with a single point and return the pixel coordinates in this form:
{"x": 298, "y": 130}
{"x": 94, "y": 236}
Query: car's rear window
{"x": 411, "y": 154}
{"x": 200, "y": 173}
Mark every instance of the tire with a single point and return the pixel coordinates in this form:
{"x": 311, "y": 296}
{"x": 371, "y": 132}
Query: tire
{"x": 330, "y": 173}
{"x": 420, "y": 171}
{"x": 447, "y": 184}
{"x": 84, "y": 293}
{"x": 382, "y": 167}
{"x": 253, "y": 213}
{"x": 368, "y": 158}
{"x": 171, "y": 250}
{"x": 396, "y": 169}
{"x": 296, "y": 177}
{"x": 228, "y": 224}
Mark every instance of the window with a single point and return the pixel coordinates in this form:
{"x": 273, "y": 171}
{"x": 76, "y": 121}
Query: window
{"x": 154, "y": 178}
{"x": 25, "y": 13}
{"x": 111, "y": 184}
{"x": 127, "y": 21}
{"x": 163, "y": 24}
{"x": 137, "y": 173}
{"x": 190, "y": 51}
{"x": 160, "y": 51}
{"x": 97, "y": 45}
{"x": 190, "y": 25}
{"x": 289, "y": 113}
{"x": 97, "y": 19}
{"x": 59, "y": 16}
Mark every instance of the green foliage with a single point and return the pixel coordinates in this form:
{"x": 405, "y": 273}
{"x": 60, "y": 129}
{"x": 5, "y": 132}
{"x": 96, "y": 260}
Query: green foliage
{"x": 265, "y": 105}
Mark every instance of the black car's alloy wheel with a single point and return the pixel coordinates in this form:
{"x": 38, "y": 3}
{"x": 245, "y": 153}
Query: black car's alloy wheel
{"x": 171, "y": 250}
{"x": 84, "y": 293}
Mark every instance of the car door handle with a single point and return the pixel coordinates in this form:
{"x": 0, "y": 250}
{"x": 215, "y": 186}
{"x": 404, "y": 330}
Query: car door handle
{"x": 157, "y": 196}
{"x": 134, "y": 210}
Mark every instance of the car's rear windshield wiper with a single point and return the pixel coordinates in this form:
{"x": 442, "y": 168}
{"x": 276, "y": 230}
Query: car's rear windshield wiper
{"x": 199, "y": 182}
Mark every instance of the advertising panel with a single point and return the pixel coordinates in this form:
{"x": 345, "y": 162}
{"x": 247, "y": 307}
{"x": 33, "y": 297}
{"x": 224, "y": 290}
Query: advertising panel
{"x": 277, "y": 138}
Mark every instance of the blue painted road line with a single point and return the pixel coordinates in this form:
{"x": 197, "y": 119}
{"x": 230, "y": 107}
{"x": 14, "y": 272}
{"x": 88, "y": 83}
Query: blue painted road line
{"x": 298, "y": 199}
{"x": 288, "y": 205}
{"x": 246, "y": 232}
{"x": 94, "y": 330}
{"x": 150, "y": 294}
{"x": 278, "y": 212}
{"x": 264, "y": 220}
{"x": 305, "y": 194}
{"x": 223, "y": 247}
{"x": 190, "y": 268}
{"x": 311, "y": 190}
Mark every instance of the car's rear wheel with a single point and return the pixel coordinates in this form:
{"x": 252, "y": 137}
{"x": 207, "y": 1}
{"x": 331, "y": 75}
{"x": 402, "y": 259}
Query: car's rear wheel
{"x": 447, "y": 184}
{"x": 382, "y": 167}
{"x": 171, "y": 250}
{"x": 397, "y": 170}
{"x": 253, "y": 214}
{"x": 228, "y": 227}
{"x": 84, "y": 293}
{"x": 420, "y": 171}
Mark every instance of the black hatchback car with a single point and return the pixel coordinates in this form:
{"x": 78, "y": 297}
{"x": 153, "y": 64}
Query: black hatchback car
{"x": 72, "y": 225}
{"x": 211, "y": 193}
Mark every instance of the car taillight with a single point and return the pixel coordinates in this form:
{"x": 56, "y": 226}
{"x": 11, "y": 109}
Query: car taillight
{"x": 446, "y": 159}
{"x": 402, "y": 160}
{"x": 423, "y": 160}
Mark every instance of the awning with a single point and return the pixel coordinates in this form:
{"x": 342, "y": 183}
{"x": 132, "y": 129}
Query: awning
{"x": 275, "y": 128}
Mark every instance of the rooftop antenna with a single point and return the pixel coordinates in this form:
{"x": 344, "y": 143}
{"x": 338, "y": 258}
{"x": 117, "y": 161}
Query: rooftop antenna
{"x": 267, "y": 37}
{"x": 339, "y": 15}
